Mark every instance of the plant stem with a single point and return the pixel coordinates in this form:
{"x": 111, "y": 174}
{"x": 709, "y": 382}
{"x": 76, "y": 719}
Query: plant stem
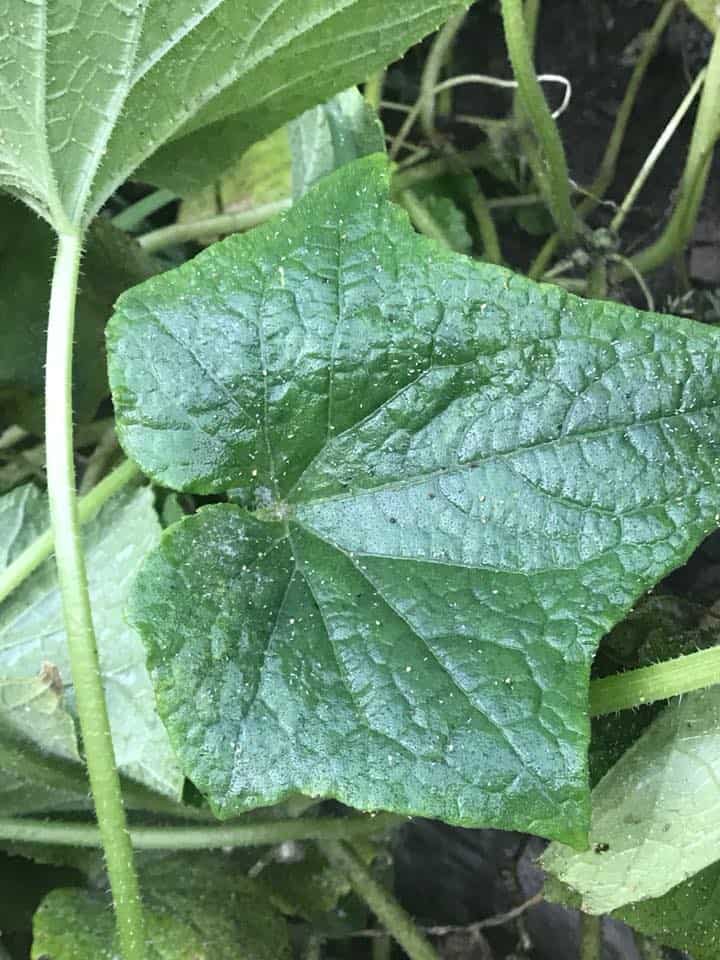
{"x": 255, "y": 834}
{"x": 41, "y": 548}
{"x": 431, "y": 71}
{"x": 656, "y": 682}
{"x": 208, "y": 226}
{"x": 590, "y": 937}
{"x": 422, "y": 219}
{"x": 373, "y": 89}
{"x": 536, "y": 108}
{"x": 679, "y": 229}
{"x": 608, "y": 164}
{"x": 133, "y": 216}
{"x": 72, "y": 578}
{"x": 652, "y": 158}
{"x": 382, "y": 903}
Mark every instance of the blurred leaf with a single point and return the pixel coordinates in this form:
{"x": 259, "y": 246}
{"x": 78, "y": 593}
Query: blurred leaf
{"x": 32, "y": 631}
{"x": 330, "y": 135}
{"x": 194, "y": 910}
{"x": 261, "y": 175}
{"x": 113, "y": 262}
{"x": 452, "y": 220}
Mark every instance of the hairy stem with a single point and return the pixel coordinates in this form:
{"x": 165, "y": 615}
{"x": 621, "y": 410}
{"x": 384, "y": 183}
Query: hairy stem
{"x": 706, "y": 130}
{"x": 203, "y": 837}
{"x": 41, "y": 548}
{"x": 72, "y": 578}
{"x": 388, "y": 911}
{"x": 209, "y": 226}
{"x": 656, "y": 682}
{"x": 530, "y": 93}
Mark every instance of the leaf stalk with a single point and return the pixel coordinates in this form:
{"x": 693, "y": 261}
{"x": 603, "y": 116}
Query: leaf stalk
{"x": 72, "y": 578}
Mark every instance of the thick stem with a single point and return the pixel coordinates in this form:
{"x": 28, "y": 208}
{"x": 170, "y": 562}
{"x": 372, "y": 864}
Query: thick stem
{"x": 679, "y": 229}
{"x": 198, "y": 837}
{"x": 72, "y": 577}
{"x": 536, "y": 108}
{"x": 210, "y": 226}
{"x": 40, "y": 549}
{"x": 388, "y": 911}
{"x": 657, "y": 682}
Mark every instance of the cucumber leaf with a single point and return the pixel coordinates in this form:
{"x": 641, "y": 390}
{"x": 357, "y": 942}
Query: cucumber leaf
{"x": 330, "y": 135}
{"x": 89, "y": 91}
{"x": 654, "y": 821}
{"x": 449, "y": 483}
{"x": 32, "y": 632}
{"x": 193, "y": 911}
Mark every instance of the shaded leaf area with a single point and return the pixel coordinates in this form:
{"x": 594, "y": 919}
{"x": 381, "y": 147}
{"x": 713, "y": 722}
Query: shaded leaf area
{"x": 90, "y": 92}
{"x": 655, "y": 814}
{"x": 707, "y": 11}
{"x": 193, "y": 911}
{"x": 460, "y": 481}
{"x": 32, "y": 639}
{"x": 330, "y": 135}
{"x": 261, "y": 175}
{"x": 112, "y": 263}
{"x": 686, "y": 917}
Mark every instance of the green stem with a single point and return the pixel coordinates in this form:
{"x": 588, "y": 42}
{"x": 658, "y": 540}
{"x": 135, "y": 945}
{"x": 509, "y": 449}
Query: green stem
{"x": 198, "y": 837}
{"x": 72, "y": 578}
{"x": 657, "y": 682}
{"x": 676, "y": 234}
{"x": 422, "y": 219}
{"x": 431, "y": 72}
{"x": 436, "y": 168}
{"x": 133, "y": 216}
{"x": 388, "y": 911}
{"x": 41, "y": 548}
{"x": 373, "y": 89}
{"x": 590, "y": 937}
{"x": 608, "y": 164}
{"x": 652, "y": 158}
{"x": 535, "y": 106}
{"x": 209, "y": 226}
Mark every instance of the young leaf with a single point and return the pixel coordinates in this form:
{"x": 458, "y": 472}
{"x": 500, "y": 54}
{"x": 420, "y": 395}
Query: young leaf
{"x": 113, "y": 262}
{"x": 193, "y": 911}
{"x": 33, "y": 708}
{"x": 90, "y": 90}
{"x": 654, "y": 814}
{"x": 331, "y": 135}
{"x": 460, "y": 481}
{"x": 31, "y": 629}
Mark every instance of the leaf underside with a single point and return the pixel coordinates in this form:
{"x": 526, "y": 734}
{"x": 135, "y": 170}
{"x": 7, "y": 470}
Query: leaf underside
{"x": 449, "y": 483}
{"x": 90, "y": 90}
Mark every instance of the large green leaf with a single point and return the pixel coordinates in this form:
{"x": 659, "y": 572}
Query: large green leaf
{"x": 31, "y": 626}
{"x": 194, "y": 910}
{"x": 90, "y": 90}
{"x": 655, "y": 814}
{"x": 460, "y": 480}
{"x": 113, "y": 262}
